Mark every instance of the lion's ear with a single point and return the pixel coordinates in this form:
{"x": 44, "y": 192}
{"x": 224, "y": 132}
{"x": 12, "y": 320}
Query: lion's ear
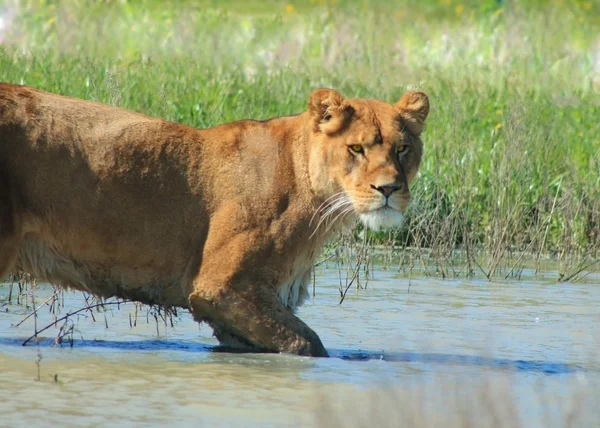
{"x": 328, "y": 111}
{"x": 414, "y": 108}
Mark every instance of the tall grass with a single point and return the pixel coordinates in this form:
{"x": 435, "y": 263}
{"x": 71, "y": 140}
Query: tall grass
{"x": 512, "y": 159}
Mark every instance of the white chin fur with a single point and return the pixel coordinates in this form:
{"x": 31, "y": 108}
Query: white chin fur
{"x": 382, "y": 219}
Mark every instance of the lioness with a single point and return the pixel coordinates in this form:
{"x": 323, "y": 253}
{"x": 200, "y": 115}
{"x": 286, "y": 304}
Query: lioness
{"x": 225, "y": 221}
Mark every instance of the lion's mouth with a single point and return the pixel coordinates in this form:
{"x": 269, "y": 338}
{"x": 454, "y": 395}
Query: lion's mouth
{"x": 384, "y": 217}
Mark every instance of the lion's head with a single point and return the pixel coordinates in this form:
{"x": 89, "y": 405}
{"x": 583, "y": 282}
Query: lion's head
{"x": 365, "y": 153}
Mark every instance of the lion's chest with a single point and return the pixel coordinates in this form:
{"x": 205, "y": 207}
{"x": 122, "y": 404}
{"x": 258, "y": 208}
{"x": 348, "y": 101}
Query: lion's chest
{"x": 295, "y": 278}
{"x": 294, "y": 291}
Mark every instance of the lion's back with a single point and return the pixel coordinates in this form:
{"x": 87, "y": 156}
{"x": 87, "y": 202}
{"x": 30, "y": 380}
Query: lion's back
{"x": 97, "y": 183}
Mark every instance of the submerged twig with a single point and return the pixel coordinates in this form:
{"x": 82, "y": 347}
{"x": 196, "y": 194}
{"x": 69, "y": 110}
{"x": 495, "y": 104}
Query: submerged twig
{"x": 38, "y": 308}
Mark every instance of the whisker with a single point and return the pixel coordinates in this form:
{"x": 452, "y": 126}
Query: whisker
{"x": 327, "y": 214}
{"x": 344, "y": 212}
{"x": 322, "y": 221}
{"x": 343, "y": 203}
{"x": 333, "y": 205}
{"x": 346, "y": 215}
{"x": 324, "y": 203}
{"x": 336, "y": 206}
{"x": 329, "y": 223}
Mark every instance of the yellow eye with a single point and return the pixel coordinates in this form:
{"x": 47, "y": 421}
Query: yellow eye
{"x": 402, "y": 149}
{"x": 357, "y": 148}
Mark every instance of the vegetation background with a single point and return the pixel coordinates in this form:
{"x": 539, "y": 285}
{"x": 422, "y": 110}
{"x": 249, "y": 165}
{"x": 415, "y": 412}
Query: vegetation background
{"x": 511, "y": 172}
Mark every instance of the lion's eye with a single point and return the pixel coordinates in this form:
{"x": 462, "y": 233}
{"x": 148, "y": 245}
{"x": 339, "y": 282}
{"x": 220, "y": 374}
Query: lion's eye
{"x": 400, "y": 150}
{"x": 357, "y": 148}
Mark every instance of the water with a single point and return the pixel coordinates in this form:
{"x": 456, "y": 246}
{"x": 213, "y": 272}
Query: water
{"x": 436, "y": 335}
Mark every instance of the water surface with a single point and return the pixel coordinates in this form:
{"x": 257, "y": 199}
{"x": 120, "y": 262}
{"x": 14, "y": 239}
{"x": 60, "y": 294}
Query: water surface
{"x": 435, "y": 332}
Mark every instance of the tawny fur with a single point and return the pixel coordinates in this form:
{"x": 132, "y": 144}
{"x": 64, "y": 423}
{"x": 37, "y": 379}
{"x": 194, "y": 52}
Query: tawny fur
{"x": 225, "y": 221}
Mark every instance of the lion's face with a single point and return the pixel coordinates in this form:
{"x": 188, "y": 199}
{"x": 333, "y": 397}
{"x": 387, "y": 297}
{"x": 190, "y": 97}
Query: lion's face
{"x": 365, "y": 153}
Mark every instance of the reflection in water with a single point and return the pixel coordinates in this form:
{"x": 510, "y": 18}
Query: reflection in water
{"x": 546, "y": 367}
{"x": 442, "y": 332}
{"x": 470, "y": 360}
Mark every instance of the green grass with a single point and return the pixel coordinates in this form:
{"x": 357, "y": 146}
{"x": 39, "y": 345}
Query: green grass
{"x": 512, "y": 160}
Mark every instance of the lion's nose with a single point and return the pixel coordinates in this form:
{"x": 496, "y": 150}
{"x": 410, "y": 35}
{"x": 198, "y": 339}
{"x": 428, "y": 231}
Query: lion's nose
{"x": 387, "y": 189}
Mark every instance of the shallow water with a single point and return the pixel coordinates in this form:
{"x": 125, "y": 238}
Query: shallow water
{"x": 388, "y": 335}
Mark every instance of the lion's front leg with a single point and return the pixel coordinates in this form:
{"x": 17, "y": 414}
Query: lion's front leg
{"x": 255, "y": 319}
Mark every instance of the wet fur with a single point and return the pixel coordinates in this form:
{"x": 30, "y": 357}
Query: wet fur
{"x": 219, "y": 220}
